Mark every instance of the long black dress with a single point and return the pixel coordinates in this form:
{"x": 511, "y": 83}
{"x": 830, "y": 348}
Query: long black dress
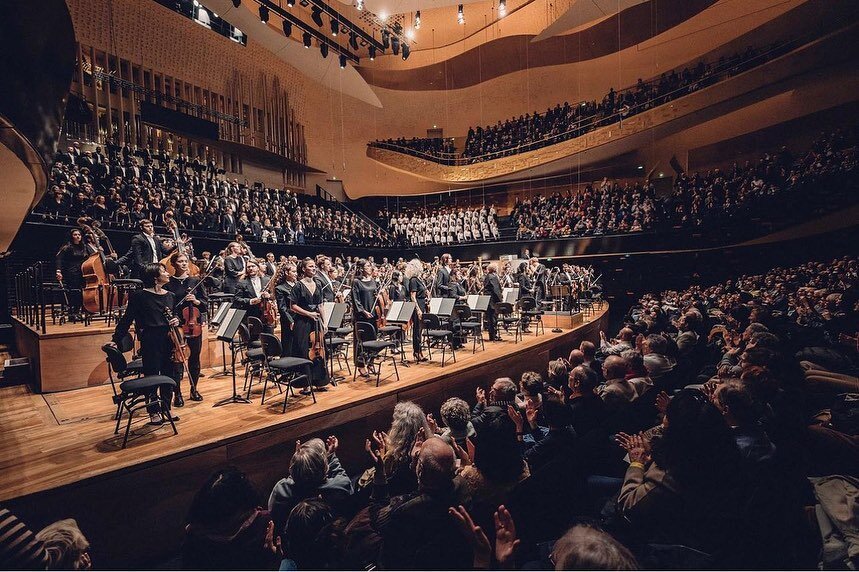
{"x": 419, "y": 287}
{"x": 363, "y": 300}
{"x": 283, "y": 295}
{"x": 69, "y": 260}
{"x": 301, "y": 297}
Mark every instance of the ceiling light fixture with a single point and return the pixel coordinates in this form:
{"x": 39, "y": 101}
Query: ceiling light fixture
{"x": 395, "y": 45}
{"x": 287, "y": 28}
{"x": 335, "y": 26}
{"x": 460, "y": 16}
{"x": 386, "y": 39}
{"x": 418, "y": 20}
{"x": 323, "y": 49}
{"x": 502, "y": 8}
{"x": 237, "y": 3}
{"x": 353, "y": 40}
{"x": 372, "y": 50}
{"x": 316, "y": 15}
{"x": 406, "y": 52}
{"x": 263, "y": 14}
{"x": 307, "y": 39}
{"x": 290, "y": 3}
{"x": 342, "y": 61}
{"x": 359, "y": 5}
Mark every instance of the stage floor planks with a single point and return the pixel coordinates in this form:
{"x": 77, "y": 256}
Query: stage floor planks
{"x": 53, "y": 440}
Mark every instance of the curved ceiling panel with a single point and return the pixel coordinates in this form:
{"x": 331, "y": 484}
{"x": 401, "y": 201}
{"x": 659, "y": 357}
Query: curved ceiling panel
{"x": 515, "y": 53}
{"x": 326, "y": 71}
{"x": 583, "y": 12}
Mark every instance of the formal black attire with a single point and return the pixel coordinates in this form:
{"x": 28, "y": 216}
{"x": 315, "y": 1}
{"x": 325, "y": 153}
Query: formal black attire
{"x": 326, "y": 286}
{"x": 492, "y": 288}
{"x": 304, "y": 326}
{"x": 442, "y": 282}
{"x": 283, "y": 295}
{"x": 146, "y": 310}
{"x": 69, "y": 260}
{"x": 233, "y": 266}
{"x": 142, "y": 253}
{"x": 180, "y": 288}
{"x": 245, "y": 292}
{"x": 419, "y": 287}
{"x": 363, "y": 300}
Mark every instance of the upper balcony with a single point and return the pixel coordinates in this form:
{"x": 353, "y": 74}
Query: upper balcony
{"x": 637, "y": 114}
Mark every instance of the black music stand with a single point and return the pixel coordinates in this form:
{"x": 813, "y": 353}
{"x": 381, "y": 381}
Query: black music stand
{"x": 227, "y": 334}
{"x": 399, "y": 314}
{"x": 479, "y": 304}
{"x": 332, "y": 314}
{"x": 216, "y": 321}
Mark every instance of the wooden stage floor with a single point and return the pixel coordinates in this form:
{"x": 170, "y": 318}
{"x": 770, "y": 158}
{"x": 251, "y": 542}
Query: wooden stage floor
{"x": 58, "y": 450}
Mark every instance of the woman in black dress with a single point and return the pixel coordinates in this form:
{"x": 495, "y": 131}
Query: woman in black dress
{"x": 69, "y": 260}
{"x": 181, "y": 284}
{"x": 305, "y": 301}
{"x": 146, "y": 309}
{"x": 287, "y": 277}
{"x": 419, "y": 294}
{"x": 364, "y": 289}
{"x": 397, "y": 291}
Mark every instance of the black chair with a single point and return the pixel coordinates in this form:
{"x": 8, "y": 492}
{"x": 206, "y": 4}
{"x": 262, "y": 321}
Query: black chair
{"x": 394, "y": 333}
{"x": 254, "y": 359}
{"x": 289, "y": 371}
{"x": 337, "y": 347}
{"x": 529, "y": 311}
{"x": 436, "y": 336}
{"x": 118, "y": 368}
{"x": 372, "y": 351}
{"x": 254, "y": 329}
{"x": 506, "y": 318}
{"x": 468, "y": 326}
{"x": 134, "y": 395}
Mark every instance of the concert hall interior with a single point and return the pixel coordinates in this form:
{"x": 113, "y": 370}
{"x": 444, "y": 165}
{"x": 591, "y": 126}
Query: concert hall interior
{"x": 413, "y": 284}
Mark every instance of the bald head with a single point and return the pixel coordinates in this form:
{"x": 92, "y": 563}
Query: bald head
{"x": 614, "y": 367}
{"x": 436, "y": 467}
{"x": 626, "y": 334}
{"x": 576, "y": 358}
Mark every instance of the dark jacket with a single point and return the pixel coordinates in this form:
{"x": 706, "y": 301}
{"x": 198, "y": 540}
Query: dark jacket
{"x": 285, "y": 494}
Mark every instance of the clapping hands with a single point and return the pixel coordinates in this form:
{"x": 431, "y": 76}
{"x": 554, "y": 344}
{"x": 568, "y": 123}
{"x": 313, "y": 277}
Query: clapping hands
{"x": 637, "y": 446}
{"x": 506, "y": 541}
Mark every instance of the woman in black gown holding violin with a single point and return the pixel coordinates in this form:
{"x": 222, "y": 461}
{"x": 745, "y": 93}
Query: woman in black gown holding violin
{"x": 305, "y": 299}
{"x": 181, "y": 284}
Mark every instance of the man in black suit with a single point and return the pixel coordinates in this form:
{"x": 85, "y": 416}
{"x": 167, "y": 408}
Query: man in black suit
{"x": 492, "y": 288}
{"x": 228, "y": 222}
{"x": 147, "y": 248}
{"x": 252, "y": 291}
{"x": 442, "y": 278}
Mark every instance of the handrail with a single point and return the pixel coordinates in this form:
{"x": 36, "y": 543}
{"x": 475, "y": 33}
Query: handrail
{"x": 711, "y": 72}
{"x": 331, "y": 198}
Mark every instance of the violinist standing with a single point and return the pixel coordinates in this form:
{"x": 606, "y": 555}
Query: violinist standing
{"x": 305, "y": 301}
{"x": 286, "y": 281}
{"x": 146, "y": 309}
{"x": 364, "y": 290}
{"x": 251, "y": 292}
{"x": 181, "y": 283}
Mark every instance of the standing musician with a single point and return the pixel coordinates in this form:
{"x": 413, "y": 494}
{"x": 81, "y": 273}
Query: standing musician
{"x": 521, "y": 277}
{"x": 442, "y": 278}
{"x": 146, "y": 248}
{"x": 270, "y": 264}
{"x": 397, "y": 291}
{"x": 364, "y": 290}
{"x": 251, "y": 292}
{"x": 538, "y": 274}
{"x": 146, "y": 309}
{"x": 323, "y": 267}
{"x": 475, "y": 284}
{"x": 492, "y": 288}
{"x": 336, "y": 283}
{"x": 180, "y": 284}
{"x": 234, "y": 267}
{"x": 457, "y": 287}
{"x": 506, "y": 278}
{"x": 69, "y": 260}
{"x": 286, "y": 280}
{"x": 305, "y": 301}
{"x": 419, "y": 294}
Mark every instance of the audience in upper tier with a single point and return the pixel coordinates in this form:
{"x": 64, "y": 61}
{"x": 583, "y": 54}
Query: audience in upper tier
{"x": 124, "y": 187}
{"x": 563, "y": 122}
{"x": 717, "y": 430}
{"x": 448, "y": 226}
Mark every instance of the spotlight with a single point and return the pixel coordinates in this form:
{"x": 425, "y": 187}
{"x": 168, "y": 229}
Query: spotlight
{"x": 386, "y": 39}
{"x": 290, "y": 3}
{"x": 316, "y": 15}
{"x": 417, "y": 25}
{"x": 395, "y": 45}
{"x": 460, "y": 16}
{"x": 263, "y": 14}
{"x": 406, "y": 52}
{"x": 237, "y": 3}
{"x": 372, "y": 53}
{"x": 323, "y": 49}
{"x": 502, "y": 8}
{"x": 353, "y": 40}
{"x": 287, "y": 28}
{"x": 306, "y": 37}
{"x": 342, "y": 61}
{"x": 335, "y": 26}
{"x": 359, "y": 5}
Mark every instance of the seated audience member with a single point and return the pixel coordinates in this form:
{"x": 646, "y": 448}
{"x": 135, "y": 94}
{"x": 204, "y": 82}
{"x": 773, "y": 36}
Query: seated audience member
{"x": 227, "y": 528}
{"x": 742, "y": 415}
{"x": 587, "y": 548}
{"x": 530, "y": 390}
{"x": 501, "y": 394}
{"x": 684, "y": 488}
{"x": 586, "y": 407}
{"x": 658, "y": 364}
{"x": 623, "y": 342}
{"x": 636, "y": 373}
{"x": 616, "y": 391}
{"x": 66, "y": 546}
{"x": 313, "y": 537}
{"x": 558, "y": 441}
{"x": 397, "y": 443}
{"x": 416, "y": 529}
{"x": 314, "y": 471}
{"x": 559, "y": 373}
{"x": 589, "y": 351}
{"x": 687, "y": 336}
{"x": 456, "y": 416}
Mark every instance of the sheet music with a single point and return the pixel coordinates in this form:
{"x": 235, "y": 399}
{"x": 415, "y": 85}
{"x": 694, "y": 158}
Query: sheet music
{"x": 394, "y": 311}
{"x": 325, "y": 311}
{"x": 434, "y": 305}
{"x": 510, "y": 295}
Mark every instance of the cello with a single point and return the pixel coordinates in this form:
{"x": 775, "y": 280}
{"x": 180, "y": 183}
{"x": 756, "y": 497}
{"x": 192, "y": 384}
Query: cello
{"x": 95, "y": 275}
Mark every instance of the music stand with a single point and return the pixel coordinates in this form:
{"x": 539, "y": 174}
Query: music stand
{"x": 216, "y": 320}
{"x": 332, "y": 314}
{"x": 442, "y": 307}
{"x": 510, "y": 295}
{"x": 399, "y": 314}
{"x": 227, "y": 333}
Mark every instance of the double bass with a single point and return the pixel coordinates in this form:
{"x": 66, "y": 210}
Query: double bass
{"x": 95, "y": 274}
{"x": 268, "y": 306}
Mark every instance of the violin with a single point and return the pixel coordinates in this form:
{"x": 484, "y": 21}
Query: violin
{"x": 192, "y": 322}
{"x": 177, "y": 338}
{"x": 317, "y": 341}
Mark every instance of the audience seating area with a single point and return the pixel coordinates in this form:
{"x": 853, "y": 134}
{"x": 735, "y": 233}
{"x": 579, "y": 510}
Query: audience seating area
{"x": 568, "y": 121}
{"x": 125, "y": 186}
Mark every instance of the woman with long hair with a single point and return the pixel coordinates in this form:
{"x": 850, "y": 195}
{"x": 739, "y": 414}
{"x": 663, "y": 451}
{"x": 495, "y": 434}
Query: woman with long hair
{"x": 286, "y": 277}
{"x": 181, "y": 285}
{"x": 364, "y": 290}
{"x": 419, "y": 294}
{"x": 69, "y": 259}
